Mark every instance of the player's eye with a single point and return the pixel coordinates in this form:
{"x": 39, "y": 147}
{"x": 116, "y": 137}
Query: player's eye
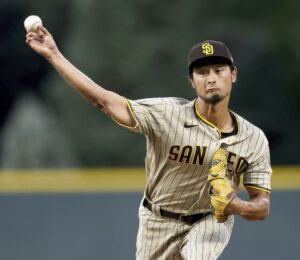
{"x": 202, "y": 72}
{"x": 219, "y": 69}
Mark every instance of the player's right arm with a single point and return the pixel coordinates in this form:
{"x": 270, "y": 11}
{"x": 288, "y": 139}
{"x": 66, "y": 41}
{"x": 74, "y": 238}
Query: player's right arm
{"x": 109, "y": 102}
{"x": 257, "y": 208}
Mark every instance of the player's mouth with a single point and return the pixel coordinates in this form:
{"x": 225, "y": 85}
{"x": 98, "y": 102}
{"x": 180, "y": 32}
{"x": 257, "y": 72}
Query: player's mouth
{"x": 212, "y": 90}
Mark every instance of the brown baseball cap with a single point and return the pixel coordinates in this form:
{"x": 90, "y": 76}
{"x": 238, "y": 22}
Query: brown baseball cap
{"x": 209, "y": 49}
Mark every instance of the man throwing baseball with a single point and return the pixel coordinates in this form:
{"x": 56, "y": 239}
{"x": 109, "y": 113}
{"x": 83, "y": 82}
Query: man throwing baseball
{"x": 197, "y": 152}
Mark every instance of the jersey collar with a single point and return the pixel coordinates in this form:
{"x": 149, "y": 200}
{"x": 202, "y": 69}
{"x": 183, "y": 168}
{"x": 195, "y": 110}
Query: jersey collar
{"x": 203, "y": 119}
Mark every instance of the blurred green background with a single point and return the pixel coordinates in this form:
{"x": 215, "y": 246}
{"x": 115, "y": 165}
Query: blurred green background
{"x": 139, "y": 49}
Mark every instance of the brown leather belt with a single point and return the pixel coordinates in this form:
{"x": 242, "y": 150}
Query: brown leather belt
{"x": 188, "y": 219}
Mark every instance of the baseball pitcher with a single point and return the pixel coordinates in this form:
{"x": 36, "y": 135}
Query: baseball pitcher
{"x": 197, "y": 153}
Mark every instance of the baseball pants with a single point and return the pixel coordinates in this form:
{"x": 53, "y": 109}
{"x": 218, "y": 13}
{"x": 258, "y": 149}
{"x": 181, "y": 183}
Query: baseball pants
{"x": 164, "y": 238}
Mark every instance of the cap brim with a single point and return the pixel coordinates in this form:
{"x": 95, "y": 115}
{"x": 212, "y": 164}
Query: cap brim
{"x": 210, "y": 60}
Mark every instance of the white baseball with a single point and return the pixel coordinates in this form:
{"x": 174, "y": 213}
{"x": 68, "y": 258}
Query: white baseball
{"x": 32, "y": 22}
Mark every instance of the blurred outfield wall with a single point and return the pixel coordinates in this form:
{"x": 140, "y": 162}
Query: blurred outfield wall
{"x": 92, "y": 214}
{"x": 107, "y": 180}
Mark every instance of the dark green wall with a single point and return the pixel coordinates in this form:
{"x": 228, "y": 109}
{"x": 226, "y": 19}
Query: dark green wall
{"x": 139, "y": 49}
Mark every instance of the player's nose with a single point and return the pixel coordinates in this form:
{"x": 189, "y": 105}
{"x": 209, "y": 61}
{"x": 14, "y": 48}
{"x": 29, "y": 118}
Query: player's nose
{"x": 212, "y": 77}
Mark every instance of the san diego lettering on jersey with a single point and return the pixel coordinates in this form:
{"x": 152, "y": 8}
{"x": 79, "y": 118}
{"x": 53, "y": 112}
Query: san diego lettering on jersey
{"x": 197, "y": 154}
{"x": 188, "y": 154}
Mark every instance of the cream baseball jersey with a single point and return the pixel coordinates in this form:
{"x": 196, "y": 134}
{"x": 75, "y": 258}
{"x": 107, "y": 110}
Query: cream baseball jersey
{"x": 180, "y": 146}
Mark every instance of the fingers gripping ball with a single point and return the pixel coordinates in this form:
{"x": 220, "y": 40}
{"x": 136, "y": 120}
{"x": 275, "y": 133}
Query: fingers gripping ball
{"x": 221, "y": 192}
{"x": 32, "y": 23}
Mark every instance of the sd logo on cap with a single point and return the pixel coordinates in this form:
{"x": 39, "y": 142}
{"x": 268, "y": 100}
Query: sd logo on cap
{"x": 207, "y": 48}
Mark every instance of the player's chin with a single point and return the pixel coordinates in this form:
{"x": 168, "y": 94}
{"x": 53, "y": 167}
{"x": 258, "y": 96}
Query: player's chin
{"x": 213, "y": 98}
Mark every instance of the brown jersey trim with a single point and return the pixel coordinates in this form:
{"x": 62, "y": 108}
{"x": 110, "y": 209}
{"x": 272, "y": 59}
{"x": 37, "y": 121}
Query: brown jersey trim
{"x": 235, "y": 130}
{"x": 257, "y": 187}
{"x": 132, "y": 114}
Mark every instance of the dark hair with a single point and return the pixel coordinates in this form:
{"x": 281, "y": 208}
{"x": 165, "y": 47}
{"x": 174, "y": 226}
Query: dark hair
{"x": 209, "y": 61}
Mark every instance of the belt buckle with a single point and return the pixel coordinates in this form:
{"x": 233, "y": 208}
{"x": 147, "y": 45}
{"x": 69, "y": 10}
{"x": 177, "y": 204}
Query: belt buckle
{"x": 184, "y": 219}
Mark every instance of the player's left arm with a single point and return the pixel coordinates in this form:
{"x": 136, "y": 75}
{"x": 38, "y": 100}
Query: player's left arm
{"x": 257, "y": 208}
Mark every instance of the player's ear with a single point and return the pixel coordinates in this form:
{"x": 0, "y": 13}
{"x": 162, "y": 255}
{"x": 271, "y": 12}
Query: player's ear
{"x": 234, "y": 75}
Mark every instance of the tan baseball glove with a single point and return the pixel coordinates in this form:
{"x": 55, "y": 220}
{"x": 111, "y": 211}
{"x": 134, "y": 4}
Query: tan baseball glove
{"x": 221, "y": 192}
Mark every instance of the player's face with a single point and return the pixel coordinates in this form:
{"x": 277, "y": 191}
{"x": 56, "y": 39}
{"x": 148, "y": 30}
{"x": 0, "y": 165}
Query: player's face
{"x": 213, "y": 82}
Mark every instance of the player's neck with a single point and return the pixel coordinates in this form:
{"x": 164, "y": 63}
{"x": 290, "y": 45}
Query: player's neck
{"x": 217, "y": 114}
